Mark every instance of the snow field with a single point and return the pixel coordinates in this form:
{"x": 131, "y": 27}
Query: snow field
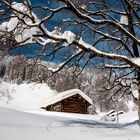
{"x": 21, "y": 118}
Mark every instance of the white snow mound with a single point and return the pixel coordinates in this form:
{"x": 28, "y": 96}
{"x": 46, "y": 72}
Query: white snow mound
{"x": 24, "y": 96}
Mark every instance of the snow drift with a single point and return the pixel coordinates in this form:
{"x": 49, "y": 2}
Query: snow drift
{"x": 24, "y": 96}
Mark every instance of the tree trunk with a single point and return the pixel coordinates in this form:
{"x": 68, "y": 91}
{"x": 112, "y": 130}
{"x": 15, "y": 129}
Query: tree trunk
{"x": 138, "y": 101}
{"x": 139, "y": 104}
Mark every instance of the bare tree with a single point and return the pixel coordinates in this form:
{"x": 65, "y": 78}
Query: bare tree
{"x": 96, "y": 29}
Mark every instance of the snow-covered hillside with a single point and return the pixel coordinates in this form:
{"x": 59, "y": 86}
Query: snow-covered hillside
{"x": 24, "y": 96}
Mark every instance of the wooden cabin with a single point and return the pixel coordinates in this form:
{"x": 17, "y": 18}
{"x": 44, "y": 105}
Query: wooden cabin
{"x": 71, "y": 101}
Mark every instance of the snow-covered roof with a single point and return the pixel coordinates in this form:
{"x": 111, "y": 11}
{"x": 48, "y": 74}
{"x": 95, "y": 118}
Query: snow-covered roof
{"x": 65, "y": 95}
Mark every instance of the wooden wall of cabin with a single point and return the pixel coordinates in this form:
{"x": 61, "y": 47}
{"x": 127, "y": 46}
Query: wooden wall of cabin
{"x": 74, "y": 104}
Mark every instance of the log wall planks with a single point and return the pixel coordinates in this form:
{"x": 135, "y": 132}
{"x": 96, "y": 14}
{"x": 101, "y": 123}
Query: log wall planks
{"x": 73, "y": 104}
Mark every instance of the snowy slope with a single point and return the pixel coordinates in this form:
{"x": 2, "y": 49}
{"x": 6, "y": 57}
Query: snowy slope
{"x": 24, "y": 96}
{"x": 15, "y": 125}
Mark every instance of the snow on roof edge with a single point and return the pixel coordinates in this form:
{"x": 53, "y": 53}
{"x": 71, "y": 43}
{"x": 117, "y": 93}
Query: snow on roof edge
{"x": 64, "y": 95}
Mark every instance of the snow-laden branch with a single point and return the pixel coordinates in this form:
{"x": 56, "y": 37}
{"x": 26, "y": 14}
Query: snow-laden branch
{"x": 116, "y": 66}
{"x": 80, "y": 15}
{"x": 67, "y": 36}
{"x": 21, "y": 23}
{"x": 70, "y": 38}
{"x": 61, "y": 65}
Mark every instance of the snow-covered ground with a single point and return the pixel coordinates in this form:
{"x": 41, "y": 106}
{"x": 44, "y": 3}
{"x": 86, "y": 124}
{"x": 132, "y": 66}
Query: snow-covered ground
{"x": 15, "y": 125}
{"x": 22, "y": 119}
